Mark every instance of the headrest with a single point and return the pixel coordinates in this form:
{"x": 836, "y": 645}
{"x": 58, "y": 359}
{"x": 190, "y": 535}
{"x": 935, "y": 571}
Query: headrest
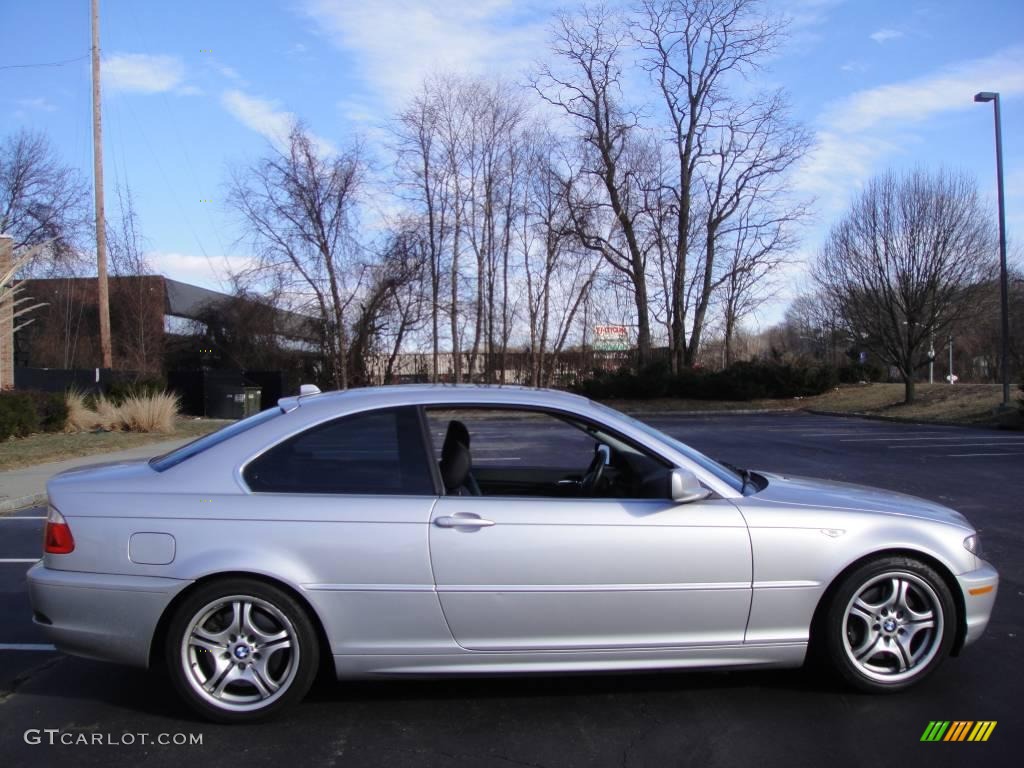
{"x": 455, "y": 462}
{"x": 456, "y": 431}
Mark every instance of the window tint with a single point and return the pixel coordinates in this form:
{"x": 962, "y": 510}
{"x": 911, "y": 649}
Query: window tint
{"x": 187, "y": 451}
{"x": 519, "y": 452}
{"x": 372, "y": 452}
{"x": 510, "y": 437}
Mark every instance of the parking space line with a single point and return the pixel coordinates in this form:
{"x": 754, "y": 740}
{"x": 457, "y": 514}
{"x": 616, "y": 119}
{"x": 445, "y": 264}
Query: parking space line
{"x": 20, "y": 559}
{"x": 965, "y": 456}
{"x": 919, "y": 439}
{"x": 947, "y": 447}
{"x": 27, "y": 647}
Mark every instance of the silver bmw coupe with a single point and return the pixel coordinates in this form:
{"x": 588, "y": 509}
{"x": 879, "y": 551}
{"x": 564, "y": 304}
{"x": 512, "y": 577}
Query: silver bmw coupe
{"x": 445, "y": 530}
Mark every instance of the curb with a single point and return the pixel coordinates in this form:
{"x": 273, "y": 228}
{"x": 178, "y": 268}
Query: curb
{"x": 733, "y": 412}
{"x": 20, "y": 502}
{"x": 899, "y": 420}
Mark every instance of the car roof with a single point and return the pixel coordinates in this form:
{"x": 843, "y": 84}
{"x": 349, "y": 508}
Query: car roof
{"x": 427, "y": 394}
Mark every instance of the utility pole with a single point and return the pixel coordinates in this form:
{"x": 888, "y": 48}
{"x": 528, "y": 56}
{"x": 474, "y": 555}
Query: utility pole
{"x": 103, "y": 298}
{"x": 952, "y": 378}
{"x": 931, "y": 359}
{"x": 981, "y": 98}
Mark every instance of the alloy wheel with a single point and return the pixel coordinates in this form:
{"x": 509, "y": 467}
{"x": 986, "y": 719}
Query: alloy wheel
{"x": 240, "y": 653}
{"x": 893, "y": 627}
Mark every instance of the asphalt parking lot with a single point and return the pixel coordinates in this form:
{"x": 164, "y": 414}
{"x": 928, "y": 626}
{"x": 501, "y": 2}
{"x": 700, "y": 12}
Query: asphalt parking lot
{"x": 707, "y": 718}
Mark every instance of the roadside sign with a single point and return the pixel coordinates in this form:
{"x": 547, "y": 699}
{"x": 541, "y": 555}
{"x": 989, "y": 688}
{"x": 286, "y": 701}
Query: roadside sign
{"x": 611, "y": 338}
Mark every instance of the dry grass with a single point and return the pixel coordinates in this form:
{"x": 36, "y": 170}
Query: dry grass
{"x": 81, "y": 418}
{"x": 107, "y": 415}
{"x": 959, "y": 403}
{"x": 54, "y": 446}
{"x": 149, "y": 413}
{"x": 137, "y": 413}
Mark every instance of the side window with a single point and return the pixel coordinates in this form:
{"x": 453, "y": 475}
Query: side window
{"x": 513, "y": 438}
{"x": 377, "y": 452}
{"x": 519, "y": 452}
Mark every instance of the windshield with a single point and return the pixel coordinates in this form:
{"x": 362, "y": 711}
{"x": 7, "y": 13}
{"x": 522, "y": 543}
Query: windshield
{"x": 187, "y": 451}
{"x": 722, "y": 472}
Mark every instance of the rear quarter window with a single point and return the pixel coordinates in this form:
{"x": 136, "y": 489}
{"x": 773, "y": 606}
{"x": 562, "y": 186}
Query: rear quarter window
{"x": 375, "y": 452}
{"x": 204, "y": 443}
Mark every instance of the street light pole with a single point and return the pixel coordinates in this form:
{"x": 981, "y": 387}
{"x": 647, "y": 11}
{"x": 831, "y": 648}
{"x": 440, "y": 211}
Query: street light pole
{"x": 983, "y": 97}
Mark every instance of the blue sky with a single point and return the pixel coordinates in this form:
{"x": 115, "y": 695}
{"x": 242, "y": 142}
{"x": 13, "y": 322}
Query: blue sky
{"x": 192, "y": 87}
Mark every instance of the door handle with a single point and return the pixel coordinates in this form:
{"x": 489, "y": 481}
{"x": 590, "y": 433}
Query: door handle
{"x": 460, "y": 521}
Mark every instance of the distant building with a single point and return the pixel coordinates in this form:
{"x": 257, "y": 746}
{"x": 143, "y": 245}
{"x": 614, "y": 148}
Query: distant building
{"x": 148, "y": 314}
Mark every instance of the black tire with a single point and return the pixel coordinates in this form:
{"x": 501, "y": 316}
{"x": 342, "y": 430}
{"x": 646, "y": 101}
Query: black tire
{"x": 889, "y": 647}
{"x": 261, "y": 671}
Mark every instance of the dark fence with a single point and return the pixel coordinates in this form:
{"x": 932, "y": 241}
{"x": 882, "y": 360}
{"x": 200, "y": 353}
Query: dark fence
{"x": 215, "y": 393}
{"x": 94, "y": 380}
{"x": 225, "y": 394}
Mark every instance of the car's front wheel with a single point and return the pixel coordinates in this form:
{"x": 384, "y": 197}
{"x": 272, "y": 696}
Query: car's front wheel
{"x": 240, "y": 650}
{"x": 890, "y": 623}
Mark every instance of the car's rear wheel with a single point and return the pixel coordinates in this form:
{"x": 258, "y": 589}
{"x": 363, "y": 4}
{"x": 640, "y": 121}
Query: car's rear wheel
{"x": 890, "y": 623}
{"x": 240, "y": 650}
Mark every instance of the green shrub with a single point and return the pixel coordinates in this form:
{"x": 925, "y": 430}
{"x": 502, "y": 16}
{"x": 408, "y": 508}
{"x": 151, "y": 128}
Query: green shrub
{"x": 18, "y": 416}
{"x": 746, "y": 380}
{"x": 855, "y": 373}
{"x": 25, "y": 412}
{"x": 51, "y": 410}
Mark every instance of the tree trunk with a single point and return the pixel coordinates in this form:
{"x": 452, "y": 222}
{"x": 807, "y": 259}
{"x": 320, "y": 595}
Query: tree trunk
{"x": 909, "y": 389}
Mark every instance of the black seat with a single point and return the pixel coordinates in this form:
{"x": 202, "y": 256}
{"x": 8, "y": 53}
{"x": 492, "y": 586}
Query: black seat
{"x": 456, "y": 462}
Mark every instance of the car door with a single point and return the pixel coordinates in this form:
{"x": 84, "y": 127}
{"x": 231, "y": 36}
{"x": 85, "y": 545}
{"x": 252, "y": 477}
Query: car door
{"x": 531, "y": 573}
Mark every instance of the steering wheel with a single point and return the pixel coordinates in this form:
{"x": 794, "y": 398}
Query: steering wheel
{"x": 592, "y": 477}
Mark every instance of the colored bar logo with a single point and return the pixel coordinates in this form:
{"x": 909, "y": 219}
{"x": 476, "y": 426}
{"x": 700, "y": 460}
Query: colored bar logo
{"x": 958, "y": 730}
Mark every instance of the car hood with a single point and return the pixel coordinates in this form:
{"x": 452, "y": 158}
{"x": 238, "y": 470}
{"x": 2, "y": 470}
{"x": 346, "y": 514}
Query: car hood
{"x": 830, "y": 494}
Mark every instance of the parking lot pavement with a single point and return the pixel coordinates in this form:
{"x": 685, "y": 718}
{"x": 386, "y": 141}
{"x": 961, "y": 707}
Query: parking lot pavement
{"x": 791, "y": 717}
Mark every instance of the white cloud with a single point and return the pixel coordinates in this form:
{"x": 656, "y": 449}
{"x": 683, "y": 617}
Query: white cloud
{"x": 807, "y": 13}
{"x": 268, "y": 119}
{"x": 398, "y": 42}
{"x": 884, "y": 35}
{"x": 212, "y": 272}
{"x": 144, "y": 73}
{"x": 856, "y": 133}
{"x": 951, "y": 88}
{"x": 38, "y": 104}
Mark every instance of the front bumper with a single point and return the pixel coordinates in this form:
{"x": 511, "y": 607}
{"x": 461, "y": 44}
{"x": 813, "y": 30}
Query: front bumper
{"x": 979, "y": 589}
{"x": 98, "y": 615}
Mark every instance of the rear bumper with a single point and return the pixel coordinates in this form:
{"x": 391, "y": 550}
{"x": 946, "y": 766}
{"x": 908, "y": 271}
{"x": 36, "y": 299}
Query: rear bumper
{"x": 979, "y": 589}
{"x": 98, "y": 615}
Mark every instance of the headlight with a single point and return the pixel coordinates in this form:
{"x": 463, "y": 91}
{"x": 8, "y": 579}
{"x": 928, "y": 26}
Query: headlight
{"x": 973, "y": 545}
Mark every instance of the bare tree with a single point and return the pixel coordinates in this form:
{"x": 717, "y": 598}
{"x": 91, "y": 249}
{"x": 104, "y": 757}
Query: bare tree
{"x": 757, "y": 239}
{"x": 42, "y": 202}
{"x": 137, "y": 324}
{"x": 903, "y": 264}
{"x": 723, "y": 150}
{"x": 609, "y": 209}
{"x": 391, "y": 306}
{"x": 299, "y": 207}
{"x": 558, "y": 275}
{"x": 422, "y": 169}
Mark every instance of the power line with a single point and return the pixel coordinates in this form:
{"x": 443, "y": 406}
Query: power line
{"x": 46, "y": 64}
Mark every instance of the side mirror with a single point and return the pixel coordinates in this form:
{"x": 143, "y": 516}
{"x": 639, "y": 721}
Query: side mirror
{"x": 685, "y": 487}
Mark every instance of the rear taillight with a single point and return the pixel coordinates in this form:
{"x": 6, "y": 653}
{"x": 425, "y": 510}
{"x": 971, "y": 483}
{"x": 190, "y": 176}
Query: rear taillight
{"x": 57, "y": 538}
